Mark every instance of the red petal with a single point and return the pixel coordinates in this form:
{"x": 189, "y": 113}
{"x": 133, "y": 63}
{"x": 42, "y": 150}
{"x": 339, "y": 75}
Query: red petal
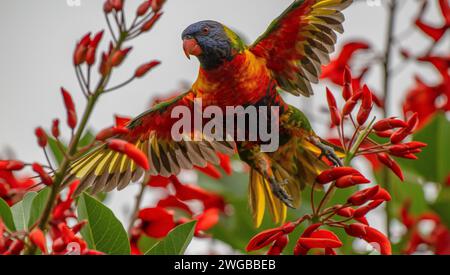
{"x": 207, "y": 219}
{"x": 157, "y": 222}
{"x": 37, "y": 237}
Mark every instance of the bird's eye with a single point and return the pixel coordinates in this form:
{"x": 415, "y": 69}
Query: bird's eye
{"x": 205, "y": 30}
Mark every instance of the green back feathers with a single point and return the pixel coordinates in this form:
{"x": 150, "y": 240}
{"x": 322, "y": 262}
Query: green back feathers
{"x": 236, "y": 41}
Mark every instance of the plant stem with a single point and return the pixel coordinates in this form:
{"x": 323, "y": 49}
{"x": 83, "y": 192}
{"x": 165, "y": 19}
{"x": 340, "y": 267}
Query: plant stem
{"x": 386, "y": 88}
{"x": 137, "y": 203}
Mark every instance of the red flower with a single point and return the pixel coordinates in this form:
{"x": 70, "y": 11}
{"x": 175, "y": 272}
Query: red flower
{"x": 111, "y": 132}
{"x": 70, "y": 109}
{"x": 145, "y": 68}
{"x": 11, "y": 165}
{"x": 131, "y": 151}
{"x": 278, "y": 245}
{"x": 366, "y": 106}
{"x": 335, "y": 116}
{"x": 143, "y": 8}
{"x": 336, "y": 173}
{"x": 37, "y": 237}
{"x": 55, "y": 128}
{"x": 41, "y": 137}
{"x": 269, "y": 236}
{"x": 351, "y": 180}
{"x": 207, "y": 220}
{"x": 389, "y": 124}
{"x": 391, "y": 164}
{"x": 156, "y": 222}
{"x": 374, "y": 237}
{"x": 45, "y": 178}
{"x": 151, "y": 22}
{"x": 225, "y": 163}
{"x": 158, "y": 181}
{"x": 79, "y": 55}
{"x": 174, "y": 202}
{"x": 363, "y": 196}
{"x": 317, "y": 239}
{"x": 336, "y": 68}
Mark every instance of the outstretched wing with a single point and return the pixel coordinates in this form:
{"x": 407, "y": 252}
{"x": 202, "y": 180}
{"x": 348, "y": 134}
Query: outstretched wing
{"x": 105, "y": 170}
{"x": 299, "y": 42}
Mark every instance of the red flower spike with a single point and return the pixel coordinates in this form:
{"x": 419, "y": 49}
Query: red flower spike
{"x": 156, "y": 222}
{"x": 336, "y": 173}
{"x": 37, "y": 237}
{"x": 118, "y": 56}
{"x": 46, "y": 179}
{"x": 41, "y": 137}
{"x": 131, "y": 151}
{"x": 366, "y": 106}
{"x": 143, "y": 8}
{"x": 149, "y": 24}
{"x": 55, "y": 128}
{"x": 357, "y": 230}
{"x": 401, "y": 134}
{"x": 11, "y": 165}
{"x": 391, "y": 164}
{"x": 111, "y": 132}
{"x": 70, "y": 109}
{"x": 351, "y": 180}
{"x": 363, "y": 196}
{"x": 279, "y": 245}
{"x": 145, "y": 68}
{"x": 389, "y": 124}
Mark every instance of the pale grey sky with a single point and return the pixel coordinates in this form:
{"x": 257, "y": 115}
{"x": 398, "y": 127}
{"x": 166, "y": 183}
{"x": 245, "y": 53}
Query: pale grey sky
{"x": 38, "y": 38}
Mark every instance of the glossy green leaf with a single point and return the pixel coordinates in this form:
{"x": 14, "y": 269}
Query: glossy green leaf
{"x": 38, "y": 206}
{"x": 176, "y": 242}
{"x": 6, "y": 215}
{"x": 104, "y": 232}
{"x": 57, "y": 154}
{"x": 21, "y": 211}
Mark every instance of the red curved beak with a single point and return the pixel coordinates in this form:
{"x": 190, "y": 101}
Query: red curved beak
{"x": 191, "y": 47}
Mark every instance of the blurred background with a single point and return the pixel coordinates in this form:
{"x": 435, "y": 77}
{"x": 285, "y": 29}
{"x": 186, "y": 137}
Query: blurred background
{"x": 38, "y": 38}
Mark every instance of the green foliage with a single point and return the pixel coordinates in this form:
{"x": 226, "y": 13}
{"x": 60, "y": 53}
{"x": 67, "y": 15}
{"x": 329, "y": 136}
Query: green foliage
{"x": 6, "y": 215}
{"x": 176, "y": 242}
{"x": 442, "y": 206}
{"x": 21, "y": 211}
{"x": 38, "y": 205}
{"x": 104, "y": 232}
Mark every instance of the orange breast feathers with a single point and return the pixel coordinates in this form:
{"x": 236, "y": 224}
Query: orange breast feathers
{"x": 242, "y": 81}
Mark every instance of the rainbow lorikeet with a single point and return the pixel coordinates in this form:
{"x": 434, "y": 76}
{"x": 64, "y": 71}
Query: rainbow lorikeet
{"x": 288, "y": 57}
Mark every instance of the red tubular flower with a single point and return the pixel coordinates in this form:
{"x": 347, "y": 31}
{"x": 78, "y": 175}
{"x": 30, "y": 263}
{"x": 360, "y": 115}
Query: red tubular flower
{"x": 435, "y": 33}
{"x": 269, "y": 236}
{"x": 210, "y": 170}
{"x": 15, "y": 248}
{"x": 111, "y": 132}
{"x": 318, "y": 239}
{"x": 37, "y": 237}
{"x": 145, "y": 68}
{"x": 55, "y": 128}
{"x": 351, "y": 104}
{"x": 279, "y": 245}
{"x": 357, "y": 230}
{"x": 70, "y": 109}
{"x": 391, "y": 164}
{"x": 336, "y": 173}
{"x": 45, "y": 178}
{"x": 118, "y": 56}
{"x": 382, "y": 194}
{"x": 174, "y": 202}
{"x": 158, "y": 181}
{"x": 348, "y": 212}
{"x": 389, "y": 124}
{"x": 347, "y": 91}
{"x": 92, "y": 48}
{"x": 157, "y": 5}
{"x": 151, "y": 22}
{"x": 207, "y": 220}
{"x": 156, "y": 222}
{"x": 362, "y": 211}
{"x": 350, "y": 180}
{"x": 363, "y": 196}
{"x": 401, "y": 134}
{"x": 366, "y": 106}
{"x": 335, "y": 116}
{"x": 131, "y": 151}
{"x": 143, "y": 8}
{"x": 378, "y": 240}
{"x": 116, "y": 4}
{"x": 11, "y": 165}
{"x": 79, "y": 56}
{"x": 41, "y": 137}
{"x": 107, "y": 7}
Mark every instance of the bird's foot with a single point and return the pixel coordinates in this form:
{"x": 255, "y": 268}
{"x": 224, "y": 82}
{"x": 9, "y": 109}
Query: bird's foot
{"x": 327, "y": 151}
{"x": 281, "y": 194}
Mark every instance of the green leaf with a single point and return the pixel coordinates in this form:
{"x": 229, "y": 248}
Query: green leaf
{"x": 21, "y": 211}
{"x": 176, "y": 242}
{"x": 6, "y": 215}
{"x": 58, "y": 156}
{"x": 434, "y": 162}
{"x": 441, "y": 206}
{"x": 38, "y": 206}
{"x": 86, "y": 139}
{"x": 104, "y": 232}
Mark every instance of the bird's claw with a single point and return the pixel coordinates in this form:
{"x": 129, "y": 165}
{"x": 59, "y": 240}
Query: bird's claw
{"x": 328, "y": 152}
{"x": 281, "y": 194}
